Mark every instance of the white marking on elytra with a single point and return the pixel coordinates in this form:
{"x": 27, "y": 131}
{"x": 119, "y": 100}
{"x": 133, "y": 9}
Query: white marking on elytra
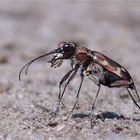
{"x": 94, "y": 57}
{"x": 103, "y": 62}
{"x": 118, "y": 71}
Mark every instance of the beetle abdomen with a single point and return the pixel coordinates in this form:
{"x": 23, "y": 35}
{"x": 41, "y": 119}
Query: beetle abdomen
{"x": 111, "y": 80}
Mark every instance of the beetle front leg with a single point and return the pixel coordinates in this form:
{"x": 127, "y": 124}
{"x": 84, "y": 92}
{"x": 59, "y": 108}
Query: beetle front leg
{"x": 69, "y": 76}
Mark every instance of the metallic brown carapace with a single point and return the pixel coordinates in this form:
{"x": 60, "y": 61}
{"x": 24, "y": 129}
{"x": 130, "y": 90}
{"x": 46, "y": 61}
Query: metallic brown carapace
{"x": 96, "y": 66}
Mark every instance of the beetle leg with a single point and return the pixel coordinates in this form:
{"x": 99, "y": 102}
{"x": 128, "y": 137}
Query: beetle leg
{"x": 93, "y": 79}
{"x": 126, "y": 84}
{"x": 135, "y": 102}
{"x": 77, "y": 95}
{"x": 96, "y": 81}
{"x": 96, "y": 96}
{"x": 69, "y": 76}
{"x": 93, "y": 105}
{"x": 135, "y": 89}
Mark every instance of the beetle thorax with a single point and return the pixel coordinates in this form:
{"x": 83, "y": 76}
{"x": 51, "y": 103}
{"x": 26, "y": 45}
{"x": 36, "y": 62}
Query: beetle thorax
{"x": 81, "y": 57}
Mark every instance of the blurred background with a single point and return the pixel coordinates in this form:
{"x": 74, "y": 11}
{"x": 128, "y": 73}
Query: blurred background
{"x": 31, "y": 28}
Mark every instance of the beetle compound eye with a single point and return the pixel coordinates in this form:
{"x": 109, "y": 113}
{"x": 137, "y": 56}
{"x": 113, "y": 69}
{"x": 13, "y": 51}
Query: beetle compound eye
{"x": 68, "y": 47}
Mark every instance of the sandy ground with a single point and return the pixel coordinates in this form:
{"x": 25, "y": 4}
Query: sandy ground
{"x": 29, "y": 29}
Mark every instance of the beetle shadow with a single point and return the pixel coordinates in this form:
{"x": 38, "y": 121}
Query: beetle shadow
{"x": 104, "y": 115}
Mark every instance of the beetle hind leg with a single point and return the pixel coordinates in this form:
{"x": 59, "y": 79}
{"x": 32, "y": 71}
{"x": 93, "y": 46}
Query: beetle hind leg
{"x": 132, "y": 97}
{"x": 128, "y": 85}
{"x": 93, "y": 105}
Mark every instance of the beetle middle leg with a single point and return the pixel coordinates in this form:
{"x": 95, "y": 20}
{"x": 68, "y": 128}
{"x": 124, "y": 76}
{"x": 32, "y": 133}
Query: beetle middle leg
{"x": 97, "y": 82}
{"x": 77, "y": 95}
{"x": 94, "y": 79}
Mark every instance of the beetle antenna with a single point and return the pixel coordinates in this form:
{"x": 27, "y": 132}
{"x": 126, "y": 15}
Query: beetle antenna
{"x": 29, "y": 63}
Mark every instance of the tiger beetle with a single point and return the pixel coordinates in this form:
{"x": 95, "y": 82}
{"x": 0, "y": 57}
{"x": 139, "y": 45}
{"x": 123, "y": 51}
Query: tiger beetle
{"x": 96, "y": 66}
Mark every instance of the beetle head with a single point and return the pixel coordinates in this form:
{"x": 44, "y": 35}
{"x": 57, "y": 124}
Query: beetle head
{"x": 65, "y": 50}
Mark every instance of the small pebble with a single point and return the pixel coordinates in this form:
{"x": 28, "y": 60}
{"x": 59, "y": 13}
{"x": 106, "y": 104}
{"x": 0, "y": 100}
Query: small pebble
{"x": 9, "y": 46}
{"x": 52, "y": 124}
{"x": 5, "y": 87}
{"x": 19, "y": 96}
{"x": 60, "y": 127}
{"x": 3, "y": 58}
